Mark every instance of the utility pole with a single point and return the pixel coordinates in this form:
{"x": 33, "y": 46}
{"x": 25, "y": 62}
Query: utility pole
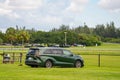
{"x": 65, "y": 38}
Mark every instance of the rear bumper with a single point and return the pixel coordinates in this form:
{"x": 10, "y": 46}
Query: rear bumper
{"x": 31, "y": 63}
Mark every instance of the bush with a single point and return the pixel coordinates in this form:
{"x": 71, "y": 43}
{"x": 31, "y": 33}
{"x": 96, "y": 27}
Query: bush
{"x": 113, "y": 40}
{"x": 89, "y": 40}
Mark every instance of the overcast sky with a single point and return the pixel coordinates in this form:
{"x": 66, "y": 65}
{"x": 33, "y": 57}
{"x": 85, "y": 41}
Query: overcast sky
{"x": 46, "y": 14}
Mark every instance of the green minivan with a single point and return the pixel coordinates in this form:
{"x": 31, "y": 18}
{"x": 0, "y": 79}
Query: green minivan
{"x": 52, "y": 56}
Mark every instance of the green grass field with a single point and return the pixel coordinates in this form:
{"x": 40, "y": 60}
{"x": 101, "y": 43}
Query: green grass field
{"x": 106, "y": 48}
{"x": 15, "y": 72}
{"x": 109, "y": 70}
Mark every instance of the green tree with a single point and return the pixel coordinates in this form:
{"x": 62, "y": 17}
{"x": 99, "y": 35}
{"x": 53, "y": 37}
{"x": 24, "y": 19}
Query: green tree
{"x": 86, "y": 29}
{"x": 1, "y": 41}
{"x": 11, "y": 35}
{"x": 118, "y": 33}
{"x": 2, "y": 37}
{"x": 89, "y": 40}
{"x": 100, "y": 30}
{"x": 110, "y": 30}
{"x": 23, "y": 36}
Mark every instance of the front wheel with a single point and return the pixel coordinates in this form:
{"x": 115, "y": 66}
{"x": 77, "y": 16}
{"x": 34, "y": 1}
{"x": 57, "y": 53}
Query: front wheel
{"x": 48, "y": 64}
{"x": 78, "y": 64}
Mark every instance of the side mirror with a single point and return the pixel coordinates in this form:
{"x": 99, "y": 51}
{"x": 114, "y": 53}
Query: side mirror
{"x": 71, "y": 54}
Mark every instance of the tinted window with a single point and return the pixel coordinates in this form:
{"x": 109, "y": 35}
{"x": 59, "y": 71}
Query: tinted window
{"x": 34, "y": 51}
{"x": 67, "y": 52}
{"x": 57, "y": 51}
{"x": 31, "y": 52}
{"x": 48, "y": 51}
{"x": 53, "y": 51}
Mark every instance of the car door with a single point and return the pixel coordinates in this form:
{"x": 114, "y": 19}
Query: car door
{"x": 65, "y": 57}
{"x": 68, "y": 57}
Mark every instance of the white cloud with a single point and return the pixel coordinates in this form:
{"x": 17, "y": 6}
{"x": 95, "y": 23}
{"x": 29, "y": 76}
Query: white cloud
{"x": 52, "y": 19}
{"x": 43, "y": 19}
{"x": 10, "y": 7}
{"x": 111, "y": 5}
{"x": 52, "y": 11}
{"x": 6, "y": 11}
{"x": 77, "y": 6}
{"x": 25, "y": 4}
{"x": 42, "y": 12}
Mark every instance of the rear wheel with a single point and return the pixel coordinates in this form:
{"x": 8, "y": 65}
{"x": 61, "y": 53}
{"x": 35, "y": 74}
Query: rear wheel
{"x": 78, "y": 64}
{"x": 48, "y": 64}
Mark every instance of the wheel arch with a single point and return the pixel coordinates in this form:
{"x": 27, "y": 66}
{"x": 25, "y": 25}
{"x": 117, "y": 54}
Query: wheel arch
{"x": 50, "y": 60}
{"x": 80, "y": 61}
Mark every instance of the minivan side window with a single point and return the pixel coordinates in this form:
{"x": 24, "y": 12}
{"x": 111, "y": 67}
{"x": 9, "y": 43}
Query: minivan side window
{"x": 65, "y": 52}
{"x": 53, "y": 51}
{"x": 57, "y": 51}
{"x": 48, "y": 51}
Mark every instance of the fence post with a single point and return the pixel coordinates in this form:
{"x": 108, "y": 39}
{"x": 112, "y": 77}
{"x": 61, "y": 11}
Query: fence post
{"x": 13, "y": 57}
{"x": 3, "y": 57}
{"x": 98, "y": 60}
{"x": 20, "y": 59}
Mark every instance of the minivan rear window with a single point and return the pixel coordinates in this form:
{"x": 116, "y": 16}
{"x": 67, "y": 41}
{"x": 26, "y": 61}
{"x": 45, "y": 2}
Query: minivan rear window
{"x": 34, "y": 51}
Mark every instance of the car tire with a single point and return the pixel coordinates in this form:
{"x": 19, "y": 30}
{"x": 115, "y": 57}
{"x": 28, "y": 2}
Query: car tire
{"x": 78, "y": 64}
{"x": 48, "y": 64}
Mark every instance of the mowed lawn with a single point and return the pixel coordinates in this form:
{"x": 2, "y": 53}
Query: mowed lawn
{"x": 109, "y": 70}
{"x": 15, "y": 72}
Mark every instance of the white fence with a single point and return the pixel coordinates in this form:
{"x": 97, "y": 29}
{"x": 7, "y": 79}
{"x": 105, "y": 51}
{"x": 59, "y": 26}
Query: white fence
{"x": 13, "y": 50}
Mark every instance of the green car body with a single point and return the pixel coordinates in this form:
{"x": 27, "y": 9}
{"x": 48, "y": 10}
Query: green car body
{"x": 51, "y": 56}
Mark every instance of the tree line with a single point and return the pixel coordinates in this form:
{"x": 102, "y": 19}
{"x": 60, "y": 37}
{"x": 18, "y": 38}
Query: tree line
{"x": 83, "y": 35}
